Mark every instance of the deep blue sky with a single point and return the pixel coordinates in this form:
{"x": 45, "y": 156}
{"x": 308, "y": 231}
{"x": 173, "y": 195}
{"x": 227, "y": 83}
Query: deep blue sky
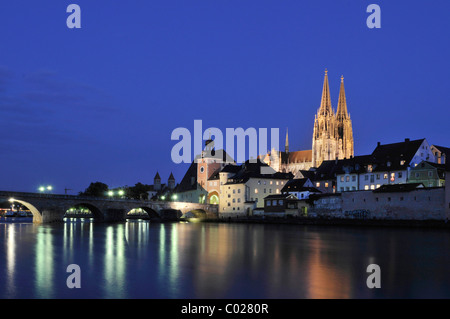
{"x": 99, "y": 103}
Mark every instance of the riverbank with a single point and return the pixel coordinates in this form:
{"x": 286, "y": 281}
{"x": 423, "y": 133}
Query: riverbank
{"x": 335, "y": 222}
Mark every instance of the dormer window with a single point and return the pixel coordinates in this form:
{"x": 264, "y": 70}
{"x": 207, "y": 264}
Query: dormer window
{"x": 369, "y": 168}
{"x": 388, "y": 164}
{"x": 402, "y": 162}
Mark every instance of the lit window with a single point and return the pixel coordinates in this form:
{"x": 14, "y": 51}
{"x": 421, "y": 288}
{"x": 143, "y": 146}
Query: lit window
{"x": 256, "y": 191}
{"x": 366, "y": 187}
{"x": 372, "y": 186}
{"x": 271, "y": 182}
{"x": 278, "y": 191}
{"x": 342, "y": 178}
{"x": 317, "y": 184}
{"x": 385, "y": 176}
{"x": 277, "y": 182}
{"x": 326, "y": 184}
{"x": 378, "y": 185}
{"x": 392, "y": 177}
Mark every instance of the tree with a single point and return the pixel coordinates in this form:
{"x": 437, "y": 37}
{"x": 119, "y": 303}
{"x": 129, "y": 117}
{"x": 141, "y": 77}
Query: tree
{"x": 96, "y": 189}
{"x": 138, "y": 191}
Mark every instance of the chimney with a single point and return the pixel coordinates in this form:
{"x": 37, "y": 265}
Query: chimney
{"x": 443, "y": 158}
{"x": 378, "y": 143}
{"x": 406, "y": 139}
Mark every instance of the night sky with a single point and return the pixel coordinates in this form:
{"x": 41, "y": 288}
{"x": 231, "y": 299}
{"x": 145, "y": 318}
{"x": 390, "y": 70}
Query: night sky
{"x": 100, "y": 103}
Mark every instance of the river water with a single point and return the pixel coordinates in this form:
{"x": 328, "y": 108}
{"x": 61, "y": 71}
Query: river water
{"x": 140, "y": 259}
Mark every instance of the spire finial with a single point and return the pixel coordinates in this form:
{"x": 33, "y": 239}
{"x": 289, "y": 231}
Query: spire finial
{"x": 286, "y": 145}
{"x": 342, "y": 78}
{"x": 325, "y": 105}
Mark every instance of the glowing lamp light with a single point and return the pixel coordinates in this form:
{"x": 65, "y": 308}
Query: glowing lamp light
{"x": 11, "y": 200}
{"x": 121, "y": 192}
{"x": 163, "y": 197}
{"x": 49, "y": 188}
{"x": 41, "y": 189}
{"x": 110, "y": 193}
{"x": 174, "y": 196}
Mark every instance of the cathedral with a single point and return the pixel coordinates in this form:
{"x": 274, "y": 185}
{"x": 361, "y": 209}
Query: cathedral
{"x": 332, "y": 137}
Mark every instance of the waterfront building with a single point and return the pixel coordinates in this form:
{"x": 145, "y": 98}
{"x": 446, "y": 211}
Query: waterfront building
{"x": 246, "y": 189}
{"x": 391, "y": 163}
{"x": 281, "y": 205}
{"x": 301, "y": 188}
{"x": 347, "y": 176}
{"x": 428, "y": 173}
{"x": 188, "y": 190}
{"x": 201, "y": 183}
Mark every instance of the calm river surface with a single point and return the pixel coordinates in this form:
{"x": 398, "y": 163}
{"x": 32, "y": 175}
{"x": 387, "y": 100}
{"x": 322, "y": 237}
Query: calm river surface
{"x": 139, "y": 259}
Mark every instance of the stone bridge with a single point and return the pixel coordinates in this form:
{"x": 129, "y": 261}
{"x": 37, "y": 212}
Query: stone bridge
{"x": 48, "y": 208}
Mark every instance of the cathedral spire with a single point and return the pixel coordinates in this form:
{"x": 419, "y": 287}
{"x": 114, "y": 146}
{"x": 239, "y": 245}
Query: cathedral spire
{"x": 286, "y": 145}
{"x": 341, "y": 112}
{"x": 325, "y": 104}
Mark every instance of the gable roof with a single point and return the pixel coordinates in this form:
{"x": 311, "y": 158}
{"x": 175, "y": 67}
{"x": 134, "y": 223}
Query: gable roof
{"x": 294, "y": 185}
{"x": 296, "y": 157}
{"x": 189, "y": 181}
{"x": 390, "y": 156}
{"x": 253, "y": 169}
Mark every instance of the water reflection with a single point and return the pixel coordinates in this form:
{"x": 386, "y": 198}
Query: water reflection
{"x": 139, "y": 259}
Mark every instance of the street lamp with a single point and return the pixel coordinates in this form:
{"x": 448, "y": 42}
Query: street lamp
{"x": 110, "y": 193}
{"x": 48, "y": 188}
{"x": 121, "y": 192}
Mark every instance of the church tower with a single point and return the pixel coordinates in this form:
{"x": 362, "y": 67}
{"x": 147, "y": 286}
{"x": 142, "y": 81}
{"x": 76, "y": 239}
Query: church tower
{"x": 324, "y": 145}
{"x": 344, "y": 126}
{"x": 333, "y": 133}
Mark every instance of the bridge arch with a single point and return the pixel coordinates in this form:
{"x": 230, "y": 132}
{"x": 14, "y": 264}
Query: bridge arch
{"x": 37, "y": 215}
{"x": 195, "y": 213}
{"x": 96, "y": 213}
{"x": 150, "y": 212}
